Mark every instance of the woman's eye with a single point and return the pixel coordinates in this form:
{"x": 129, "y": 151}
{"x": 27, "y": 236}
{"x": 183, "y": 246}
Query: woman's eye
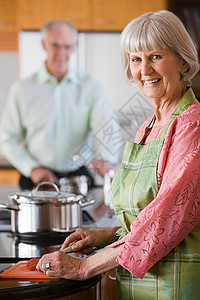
{"x": 156, "y": 56}
{"x": 135, "y": 59}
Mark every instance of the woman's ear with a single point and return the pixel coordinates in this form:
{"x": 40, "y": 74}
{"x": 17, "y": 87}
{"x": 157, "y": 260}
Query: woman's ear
{"x": 185, "y": 67}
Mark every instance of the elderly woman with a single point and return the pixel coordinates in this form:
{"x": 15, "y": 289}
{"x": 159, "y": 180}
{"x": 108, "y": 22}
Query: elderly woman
{"x": 156, "y": 191}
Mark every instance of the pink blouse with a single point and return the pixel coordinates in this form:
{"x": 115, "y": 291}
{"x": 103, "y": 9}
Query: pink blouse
{"x": 174, "y": 213}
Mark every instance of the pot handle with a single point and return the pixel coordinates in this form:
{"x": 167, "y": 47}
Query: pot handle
{"x": 45, "y": 183}
{"x": 16, "y": 208}
{"x": 86, "y": 202}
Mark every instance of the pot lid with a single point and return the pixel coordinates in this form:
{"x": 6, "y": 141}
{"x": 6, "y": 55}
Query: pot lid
{"x": 45, "y": 197}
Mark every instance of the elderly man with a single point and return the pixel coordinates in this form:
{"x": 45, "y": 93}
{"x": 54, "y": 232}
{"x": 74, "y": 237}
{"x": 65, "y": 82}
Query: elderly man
{"x": 49, "y": 115}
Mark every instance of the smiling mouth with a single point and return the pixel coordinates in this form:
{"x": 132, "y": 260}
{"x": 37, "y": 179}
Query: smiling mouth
{"x": 148, "y": 82}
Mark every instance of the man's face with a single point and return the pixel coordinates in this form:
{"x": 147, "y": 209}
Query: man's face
{"x": 59, "y": 46}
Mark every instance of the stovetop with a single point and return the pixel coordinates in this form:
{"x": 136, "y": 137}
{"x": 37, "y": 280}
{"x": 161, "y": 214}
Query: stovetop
{"x": 15, "y": 247}
{"x": 25, "y": 247}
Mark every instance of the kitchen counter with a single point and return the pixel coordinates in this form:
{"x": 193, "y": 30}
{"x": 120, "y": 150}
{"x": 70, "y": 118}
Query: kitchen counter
{"x": 38, "y": 289}
{"x": 23, "y": 247}
{"x": 15, "y": 248}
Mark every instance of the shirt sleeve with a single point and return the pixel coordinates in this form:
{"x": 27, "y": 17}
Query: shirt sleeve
{"x": 174, "y": 213}
{"x": 12, "y": 134}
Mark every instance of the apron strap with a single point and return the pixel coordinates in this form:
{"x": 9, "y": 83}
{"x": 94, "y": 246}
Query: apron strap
{"x": 183, "y": 104}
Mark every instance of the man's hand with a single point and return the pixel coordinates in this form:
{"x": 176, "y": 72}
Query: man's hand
{"x": 101, "y": 166}
{"x": 41, "y": 174}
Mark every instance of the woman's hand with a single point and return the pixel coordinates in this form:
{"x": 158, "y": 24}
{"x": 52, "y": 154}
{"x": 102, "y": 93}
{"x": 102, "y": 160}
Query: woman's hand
{"x": 87, "y": 241}
{"x": 83, "y": 241}
{"x": 62, "y": 265}
{"x": 65, "y": 266}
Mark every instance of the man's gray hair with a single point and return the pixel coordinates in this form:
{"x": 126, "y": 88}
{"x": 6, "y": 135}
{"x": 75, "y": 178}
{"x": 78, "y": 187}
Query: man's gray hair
{"x": 54, "y": 23}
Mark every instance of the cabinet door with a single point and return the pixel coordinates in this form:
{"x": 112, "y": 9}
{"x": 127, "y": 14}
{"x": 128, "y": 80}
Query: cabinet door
{"x": 9, "y": 176}
{"x": 8, "y": 32}
{"x": 32, "y": 14}
{"x": 77, "y": 11}
{"x": 109, "y": 286}
{"x": 114, "y": 15}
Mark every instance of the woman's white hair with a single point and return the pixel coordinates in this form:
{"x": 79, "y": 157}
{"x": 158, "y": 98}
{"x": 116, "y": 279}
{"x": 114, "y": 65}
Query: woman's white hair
{"x": 159, "y": 30}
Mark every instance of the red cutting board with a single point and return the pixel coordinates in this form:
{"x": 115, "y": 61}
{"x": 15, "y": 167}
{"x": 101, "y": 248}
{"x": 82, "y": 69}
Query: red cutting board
{"x": 20, "y": 271}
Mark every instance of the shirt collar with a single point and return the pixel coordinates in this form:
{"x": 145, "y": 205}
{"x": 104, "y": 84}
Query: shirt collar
{"x": 43, "y": 75}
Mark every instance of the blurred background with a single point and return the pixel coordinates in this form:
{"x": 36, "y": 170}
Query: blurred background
{"x": 99, "y": 23}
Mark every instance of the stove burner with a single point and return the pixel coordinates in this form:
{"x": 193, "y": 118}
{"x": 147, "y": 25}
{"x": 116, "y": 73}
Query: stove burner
{"x": 41, "y": 237}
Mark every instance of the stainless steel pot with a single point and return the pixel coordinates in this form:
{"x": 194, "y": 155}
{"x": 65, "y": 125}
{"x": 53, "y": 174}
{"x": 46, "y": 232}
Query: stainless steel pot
{"x": 75, "y": 184}
{"x": 68, "y": 214}
{"x": 40, "y": 211}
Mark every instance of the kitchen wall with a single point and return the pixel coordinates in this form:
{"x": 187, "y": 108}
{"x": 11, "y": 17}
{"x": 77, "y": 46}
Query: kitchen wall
{"x": 97, "y": 54}
{"x": 8, "y": 73}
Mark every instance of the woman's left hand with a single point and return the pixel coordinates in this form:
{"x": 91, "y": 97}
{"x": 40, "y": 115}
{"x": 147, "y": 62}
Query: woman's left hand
{"x": 62, "y": 265}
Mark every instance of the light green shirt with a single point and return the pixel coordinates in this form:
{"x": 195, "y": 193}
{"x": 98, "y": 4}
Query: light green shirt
{"x": 46, "y": 123}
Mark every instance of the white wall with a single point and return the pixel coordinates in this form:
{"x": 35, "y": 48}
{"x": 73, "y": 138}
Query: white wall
{"x": 102, "y": 60}
{"x": 8, "y": 74}
{"x": 102, "y": 56}
{"x": 99, "y": 55}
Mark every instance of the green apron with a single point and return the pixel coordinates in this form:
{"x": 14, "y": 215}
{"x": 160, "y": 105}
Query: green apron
{"x": 177, "y": 275}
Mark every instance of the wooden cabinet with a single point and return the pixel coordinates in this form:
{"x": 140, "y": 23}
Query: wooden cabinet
{"x": 86, "y": 15}
{"x": 106, "y": 15}
{"x": 32, "y": 14}
{"x": 8, "y": 30}
{"x": 9, "y": 176}
{"x": 189, "y": 12}
{"x": 109, "y": 286}
{"x": 114, "y": 15}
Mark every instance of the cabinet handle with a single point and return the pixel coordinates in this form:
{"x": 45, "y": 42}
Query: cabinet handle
{"x": 112, "y": 277}
{"x": 105, "y": 22}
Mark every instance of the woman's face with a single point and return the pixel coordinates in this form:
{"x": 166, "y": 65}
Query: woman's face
{"x": 157, "y": 73}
